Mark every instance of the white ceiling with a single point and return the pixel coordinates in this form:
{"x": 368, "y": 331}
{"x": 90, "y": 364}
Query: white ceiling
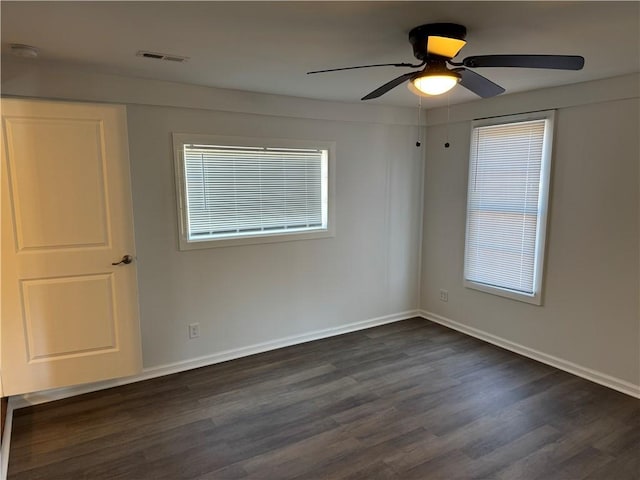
{"x": 268, "y": 46}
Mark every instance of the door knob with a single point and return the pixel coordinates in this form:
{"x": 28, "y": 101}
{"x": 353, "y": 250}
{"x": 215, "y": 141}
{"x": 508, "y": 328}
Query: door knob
{"x": 126, "y": 259}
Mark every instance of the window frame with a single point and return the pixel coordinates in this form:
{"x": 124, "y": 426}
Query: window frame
{"x": 543, "y": 206}
{"x": 181, "y": 139}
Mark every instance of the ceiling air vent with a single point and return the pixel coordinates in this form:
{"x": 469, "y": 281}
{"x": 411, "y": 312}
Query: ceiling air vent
{"x": 162, "y": 56}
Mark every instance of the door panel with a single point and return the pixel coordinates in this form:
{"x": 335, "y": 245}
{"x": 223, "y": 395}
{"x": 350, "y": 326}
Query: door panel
{"x": 68, "y": 315}
{"x": 53, "y": 154}
{"x": 55, "y": 313}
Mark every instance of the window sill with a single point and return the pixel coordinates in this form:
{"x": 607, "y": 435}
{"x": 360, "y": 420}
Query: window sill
{"x": 534, "y": 299}
{"x": 255, "y": 240}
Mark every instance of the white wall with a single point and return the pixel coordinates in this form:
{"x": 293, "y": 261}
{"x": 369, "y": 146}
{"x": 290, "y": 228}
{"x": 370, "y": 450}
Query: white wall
{"x": 248, "y": 295}
{"x": 590, "y": 313}
{"x": 257, "y": 293}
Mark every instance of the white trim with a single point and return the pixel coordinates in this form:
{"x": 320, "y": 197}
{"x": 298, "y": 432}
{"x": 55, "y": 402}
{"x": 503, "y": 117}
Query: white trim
{"x": 584, "y": 372}
{"x": 161, "y": 370}
{"x": 182, "y": 139}
{"x": 6, "y": 440}
{"x": 504, "y": 292}
{"x": 543, "y": 205}
{"x": 21, "y": 401}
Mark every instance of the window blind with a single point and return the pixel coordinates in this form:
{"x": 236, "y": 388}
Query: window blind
{"x": 235, "y": 191}
{"x": 504, "y": 205}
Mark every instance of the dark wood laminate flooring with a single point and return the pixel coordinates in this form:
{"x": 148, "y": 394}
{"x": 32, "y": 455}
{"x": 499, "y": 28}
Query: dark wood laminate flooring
{"x": 409, "y": 400}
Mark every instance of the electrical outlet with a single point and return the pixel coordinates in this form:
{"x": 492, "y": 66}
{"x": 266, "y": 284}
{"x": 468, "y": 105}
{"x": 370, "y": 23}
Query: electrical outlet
{"x": 194, "y": 330}
{"x": 444, "y": 296}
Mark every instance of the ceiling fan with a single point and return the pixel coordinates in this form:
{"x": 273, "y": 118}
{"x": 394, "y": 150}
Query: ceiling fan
{"x": 436, "y": 44}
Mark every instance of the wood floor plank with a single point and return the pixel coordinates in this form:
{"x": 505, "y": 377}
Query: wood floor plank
{"x": 490, "y": 464}
{"x": 407, "y": 400}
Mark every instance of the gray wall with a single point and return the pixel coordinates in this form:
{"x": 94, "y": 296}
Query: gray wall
{"x": 590, "y": 305}
{"x": 251, "y": 294}
{"x": 251, "y": 297}
{"x": 381, "y": 262}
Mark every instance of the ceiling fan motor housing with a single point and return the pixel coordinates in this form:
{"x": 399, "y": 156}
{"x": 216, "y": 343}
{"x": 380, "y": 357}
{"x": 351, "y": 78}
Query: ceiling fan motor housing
{"x": 437, "y": 44}
{"x": 419, "y": 36}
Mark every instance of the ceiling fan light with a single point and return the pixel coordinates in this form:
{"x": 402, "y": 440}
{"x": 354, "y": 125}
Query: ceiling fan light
{"x": 436, "y": 84}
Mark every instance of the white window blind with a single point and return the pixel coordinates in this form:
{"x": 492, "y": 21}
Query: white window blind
{"x": 238, "y": 191}
{"x": 506, "y": 204}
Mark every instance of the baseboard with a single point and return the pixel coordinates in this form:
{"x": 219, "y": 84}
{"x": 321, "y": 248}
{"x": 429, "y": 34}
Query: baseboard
{"x": 20, "y": 401}
{"x": 6, "y": 441}
{"x": 584, "y": 372}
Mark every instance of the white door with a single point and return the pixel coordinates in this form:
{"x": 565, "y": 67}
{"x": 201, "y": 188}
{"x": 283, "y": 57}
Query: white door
{"x": 68, "y": 315}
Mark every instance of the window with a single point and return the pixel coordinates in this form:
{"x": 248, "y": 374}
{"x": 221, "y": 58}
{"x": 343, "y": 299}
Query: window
{"x": 240, "y": 190}
{"x": 508, "y": 192}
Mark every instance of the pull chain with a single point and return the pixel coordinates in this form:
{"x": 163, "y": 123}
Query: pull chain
{"x": 419, "y": 115}
{"x": 447, "y": 144}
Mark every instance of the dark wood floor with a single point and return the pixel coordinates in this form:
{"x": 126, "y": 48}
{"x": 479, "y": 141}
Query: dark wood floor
{"x": 410, "y": 400}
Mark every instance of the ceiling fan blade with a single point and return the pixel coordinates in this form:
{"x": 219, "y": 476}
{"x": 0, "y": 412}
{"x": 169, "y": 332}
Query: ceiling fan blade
{"x": 369, "y": 66}
{"x": 478, "y": 84}
{"x": 558, "y": 62}
{"x": 378, "y": 92}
